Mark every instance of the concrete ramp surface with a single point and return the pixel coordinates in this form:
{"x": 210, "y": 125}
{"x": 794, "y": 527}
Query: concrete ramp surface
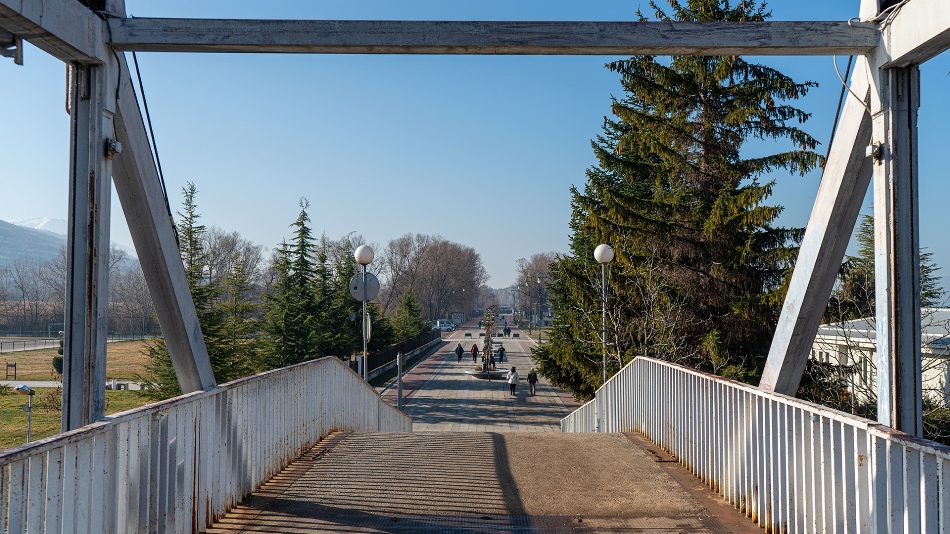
{"x": 472, "y": 482}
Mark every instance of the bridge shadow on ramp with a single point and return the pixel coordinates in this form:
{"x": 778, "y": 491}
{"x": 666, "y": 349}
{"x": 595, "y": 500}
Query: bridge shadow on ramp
{"x": 470, "y": 482}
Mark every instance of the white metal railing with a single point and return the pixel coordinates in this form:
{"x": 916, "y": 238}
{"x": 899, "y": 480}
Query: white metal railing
{"x": 792, "y": 466}
{"x": 178, "y": 465}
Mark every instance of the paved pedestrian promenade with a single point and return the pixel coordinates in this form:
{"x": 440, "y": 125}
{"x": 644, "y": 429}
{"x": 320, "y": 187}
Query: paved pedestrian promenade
{"x": 439, "y": 396}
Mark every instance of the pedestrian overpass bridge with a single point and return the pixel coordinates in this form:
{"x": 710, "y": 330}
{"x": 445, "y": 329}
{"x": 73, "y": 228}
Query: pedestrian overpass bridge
{"x": 183, "y": 464}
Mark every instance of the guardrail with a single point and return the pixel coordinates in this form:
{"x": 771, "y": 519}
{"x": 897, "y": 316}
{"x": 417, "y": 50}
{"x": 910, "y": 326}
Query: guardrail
{"x": 790, "y": 465}
{"x": 380, "y": 359}
{"x": 178, "y": 465}
{"x": 20, "y": 345}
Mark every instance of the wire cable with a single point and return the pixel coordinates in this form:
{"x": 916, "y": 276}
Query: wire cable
{"x": 153, "y": 143}
{"x": 834, "y": 125}
{"x": 834, "y": 59}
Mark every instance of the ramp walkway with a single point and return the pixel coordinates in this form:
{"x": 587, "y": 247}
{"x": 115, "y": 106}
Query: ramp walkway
{"x": 481, "y": 460}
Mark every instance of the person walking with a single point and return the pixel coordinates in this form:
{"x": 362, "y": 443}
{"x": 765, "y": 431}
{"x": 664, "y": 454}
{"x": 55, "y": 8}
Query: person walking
{"x": 501, "y": 353}
{"x": 459, "y": 351}
{"x": 532, "y": 380}
{"x": 474, "y": 353}
{"x": 512, "y": 380}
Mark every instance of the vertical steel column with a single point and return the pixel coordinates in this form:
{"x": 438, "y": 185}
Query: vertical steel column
{"x": 897, "y": 254}
{"x": 92, "y": 104}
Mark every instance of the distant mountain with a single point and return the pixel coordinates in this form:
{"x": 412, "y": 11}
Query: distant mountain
{"x": 20, "y": 243}
{"x": 49, "y": 224}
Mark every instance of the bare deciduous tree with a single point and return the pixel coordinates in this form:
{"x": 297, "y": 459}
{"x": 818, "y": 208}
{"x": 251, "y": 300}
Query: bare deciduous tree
{"x": 444, "y": 275}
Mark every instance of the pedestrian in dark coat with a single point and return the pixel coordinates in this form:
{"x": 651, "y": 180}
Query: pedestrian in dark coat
{"x": 459, "y": 351}
{"x": 532, "y": 380}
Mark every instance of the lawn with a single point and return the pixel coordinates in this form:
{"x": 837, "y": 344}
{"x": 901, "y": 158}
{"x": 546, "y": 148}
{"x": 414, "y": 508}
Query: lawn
{"x": 124, "y": 359}
{"x": 46, "y": 413}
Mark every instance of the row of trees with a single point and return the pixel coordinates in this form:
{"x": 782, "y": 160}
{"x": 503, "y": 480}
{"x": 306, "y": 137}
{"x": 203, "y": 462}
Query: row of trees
{"x": 258, "y": 315}
{"x": 700, "y": 267}
{"x": 32, "y": 296}
{"x": 445, "y": 276}
{"x": 532, "y": 283}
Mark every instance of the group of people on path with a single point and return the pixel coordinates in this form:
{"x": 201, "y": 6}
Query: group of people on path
{"x": 512, "y": 376}
{"x": 459, "y": 351}
{"x": 513, "y": 379}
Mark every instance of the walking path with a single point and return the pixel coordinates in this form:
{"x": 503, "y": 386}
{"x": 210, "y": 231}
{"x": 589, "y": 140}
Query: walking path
{"x": 439, "y": 396}
{"x": 482, "y": 460}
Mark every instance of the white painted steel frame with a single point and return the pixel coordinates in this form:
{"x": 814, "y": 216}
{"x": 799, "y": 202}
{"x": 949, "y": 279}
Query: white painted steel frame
{"x": 80, "y": 38}
{"x": 92, "y": 109}
{"x": 789, "y": 465}
{"x": 139, "y": 189}
{"x": 492, "y": 37}
{"x": 178, "y": 465}
{"x": 844, "y": 183}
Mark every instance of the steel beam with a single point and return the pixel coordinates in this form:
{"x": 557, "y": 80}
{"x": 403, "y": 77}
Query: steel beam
{"x": 92, "y": 105}
{"x": 143, "y": 202}
{"x": 494, "y": 37}
{"x": 897, "y": 256}
{"x": 844, "y": 184}
{"x": 65, "y": 29}
{"x": 918, "y": 31}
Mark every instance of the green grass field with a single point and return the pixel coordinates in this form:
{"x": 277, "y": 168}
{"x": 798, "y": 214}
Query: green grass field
{"x": 46, "y": 413}
{"x": 124, "y": 359}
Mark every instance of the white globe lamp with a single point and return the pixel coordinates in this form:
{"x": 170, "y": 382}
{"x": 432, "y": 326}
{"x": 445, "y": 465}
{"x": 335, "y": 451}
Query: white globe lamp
{"x": 604, "y": 253}
{"x": 364, "y": 254}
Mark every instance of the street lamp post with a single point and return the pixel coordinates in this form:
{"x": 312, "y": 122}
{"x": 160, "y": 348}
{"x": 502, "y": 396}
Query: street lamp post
{"x": 603, "y": 254}
{"x": 23, "y": 389}
{"x": 364, "y": 256}
{"x": 540, "y": 322}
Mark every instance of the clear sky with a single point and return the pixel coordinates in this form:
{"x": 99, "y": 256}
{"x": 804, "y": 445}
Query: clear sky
{"x": 479, "y": 149}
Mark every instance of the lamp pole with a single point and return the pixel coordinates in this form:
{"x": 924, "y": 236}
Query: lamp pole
{"x": 540, "y": 322}
{"x": 364, "y": 256}
{"x": 527, "y": 298}
{"x": 603, "y": 254}
{"x": 23, "y": 389}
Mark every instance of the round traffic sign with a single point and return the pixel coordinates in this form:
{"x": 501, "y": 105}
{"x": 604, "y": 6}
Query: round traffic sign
{"x": 356, "y": 286}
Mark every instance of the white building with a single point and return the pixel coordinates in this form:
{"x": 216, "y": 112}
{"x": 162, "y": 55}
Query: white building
{"x": 855, "y": 343}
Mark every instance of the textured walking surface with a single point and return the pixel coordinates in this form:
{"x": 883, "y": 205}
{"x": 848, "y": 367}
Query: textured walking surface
{"x": 479, "y": 460}
{"x": 472, "y": 482}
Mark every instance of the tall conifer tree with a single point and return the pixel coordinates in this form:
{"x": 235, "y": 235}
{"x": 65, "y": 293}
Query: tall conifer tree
{"x": 292, "y": 308}
{"x": 685, "y": 211}
{"x": 160, "y": 381}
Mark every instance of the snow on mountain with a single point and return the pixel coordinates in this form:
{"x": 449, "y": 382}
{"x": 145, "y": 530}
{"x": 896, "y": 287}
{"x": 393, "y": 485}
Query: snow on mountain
{"x": 48, "y": 224}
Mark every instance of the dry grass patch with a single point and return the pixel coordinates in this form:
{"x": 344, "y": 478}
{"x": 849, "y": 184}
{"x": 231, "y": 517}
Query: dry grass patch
{"x": 124, "y": 359}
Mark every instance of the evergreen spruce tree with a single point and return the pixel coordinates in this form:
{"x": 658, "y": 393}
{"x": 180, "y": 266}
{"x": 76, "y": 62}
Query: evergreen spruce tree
{"x": 339, "y": 335}
{"x": 160, "y": 381}
{"x": 686, "y": 214}
{"x": 292, "y": 308}
{"x": 408, "y": 321}
{"x": 240, "y": 340}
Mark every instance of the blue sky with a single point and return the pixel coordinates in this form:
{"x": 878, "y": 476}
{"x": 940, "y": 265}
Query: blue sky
{"x": 481, "y": 150}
